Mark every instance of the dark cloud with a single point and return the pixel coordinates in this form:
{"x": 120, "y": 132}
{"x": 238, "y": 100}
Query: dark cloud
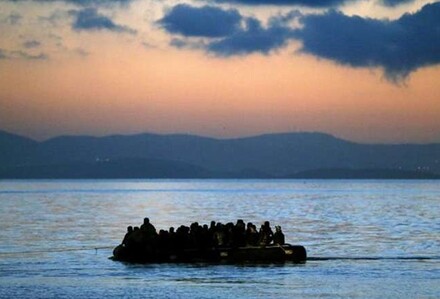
{"x": 207, "y": 21}
{"x": 31, "y": 44}
{"x": 254, "y": 38}
{"x": 395, "y": 2}
{"x": 90, "y": 19}
{"x": 224, "y": 28}
{"x": 400, "y": 46}
{"x": 308, "y": 3}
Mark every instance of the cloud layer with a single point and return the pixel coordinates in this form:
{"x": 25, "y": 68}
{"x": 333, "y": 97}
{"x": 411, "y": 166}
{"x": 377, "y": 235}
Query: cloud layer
{"x": 90, "y": 19}
{"x": 304, "y": 3}
{"x": 206, "y": 21}
{"x": 234, "y": 34}
{"x": 253, "y": 38}
{"x": 395, "y": 2}
{"x": 399, "y": 47}
{"x": 308, "y": 3}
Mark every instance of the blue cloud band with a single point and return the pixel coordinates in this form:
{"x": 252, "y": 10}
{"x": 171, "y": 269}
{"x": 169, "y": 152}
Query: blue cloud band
{"x": 206, "y": 21}
{"x": 307, "y": 3}
{"x": 399, "y": 47}
{"x": 90, "y": 19}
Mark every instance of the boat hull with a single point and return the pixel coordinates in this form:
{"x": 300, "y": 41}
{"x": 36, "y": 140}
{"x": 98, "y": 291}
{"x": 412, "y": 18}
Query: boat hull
{"x": 272, "y": 253}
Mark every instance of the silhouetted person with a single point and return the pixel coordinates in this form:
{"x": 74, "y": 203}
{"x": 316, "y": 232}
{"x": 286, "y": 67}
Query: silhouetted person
{"x": 219, "y": 235}
{"x": 127, "y": 235}
{"x": 136, "y": 236}
{"x": 135, "y": 242}
{"x": 239, "y": 234}
{"x": 205, "y": 241}
{"x": 149, "y": 239}
{"x": 195, "y": 235}
{"x": 266, "y": 234}
{"x": 229, "y": 234}
{"x": 162, "y": 247}
{"x": 172, "y": 240}
{"x": 278, "y": 236}
{"x": 212, "y": 227}
{"x": 211, "y": 231}
{"x": 182, "y": 237}
{"x": 252, "y": 237}
{"x": 148, "y": 228}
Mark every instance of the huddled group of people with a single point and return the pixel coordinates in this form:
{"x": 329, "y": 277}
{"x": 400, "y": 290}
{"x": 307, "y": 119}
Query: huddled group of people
{"x": 200, "y": 237}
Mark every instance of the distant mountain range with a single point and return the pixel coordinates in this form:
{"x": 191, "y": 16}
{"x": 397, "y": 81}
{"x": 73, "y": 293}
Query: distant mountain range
{"x": 285, "y": 155}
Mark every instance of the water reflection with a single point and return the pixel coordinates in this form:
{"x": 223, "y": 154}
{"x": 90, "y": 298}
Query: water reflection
{"x": 331, "y": 218}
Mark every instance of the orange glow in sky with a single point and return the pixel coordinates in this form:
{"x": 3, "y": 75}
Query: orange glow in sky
{"x": 99, "y": 83}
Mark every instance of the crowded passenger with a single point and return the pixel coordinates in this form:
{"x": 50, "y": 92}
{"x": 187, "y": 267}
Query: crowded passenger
{"x": 266, "y": 234}
{"x": 200, "y": 237}
{"x": 278, "y": 236}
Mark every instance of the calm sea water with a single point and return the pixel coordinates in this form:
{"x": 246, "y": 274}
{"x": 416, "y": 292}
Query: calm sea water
{"x": 366, "y": 239}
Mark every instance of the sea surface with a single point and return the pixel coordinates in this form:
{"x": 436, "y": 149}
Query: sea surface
{"x": 365, "y": 238}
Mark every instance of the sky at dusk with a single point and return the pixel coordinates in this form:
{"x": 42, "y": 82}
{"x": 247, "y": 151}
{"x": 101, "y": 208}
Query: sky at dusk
{"x": 363, "y": 70}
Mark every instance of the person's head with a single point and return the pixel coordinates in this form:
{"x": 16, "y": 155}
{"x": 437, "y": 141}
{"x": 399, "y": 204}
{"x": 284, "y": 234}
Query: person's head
{"x": 278, "y": 228}
{"x": 146, "y": 220}
{"x": 129, "y": 229}
{"x": 266, "y": 224}
{"x": 171, "y": 229}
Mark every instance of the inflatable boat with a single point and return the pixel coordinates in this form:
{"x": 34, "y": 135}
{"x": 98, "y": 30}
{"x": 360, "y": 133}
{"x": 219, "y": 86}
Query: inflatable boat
{"x": 248, "y": 254}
